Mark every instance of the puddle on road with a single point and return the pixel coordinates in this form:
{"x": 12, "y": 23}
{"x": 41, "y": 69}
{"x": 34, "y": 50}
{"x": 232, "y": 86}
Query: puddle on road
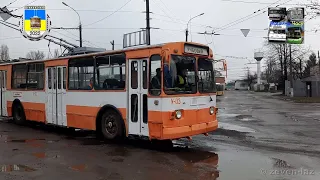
{"x": 117, "y": 160}
{"x": 11, "y": 168}
{"x": 206, "y": 162}
{"x": 227, "y": 115}
{"x": 119, "y": 151}
{"x": 43, "y": 155}
{"x": 80, "y": 167}
{"x": 229, "y": 126}
{"x": 245, "y": 118}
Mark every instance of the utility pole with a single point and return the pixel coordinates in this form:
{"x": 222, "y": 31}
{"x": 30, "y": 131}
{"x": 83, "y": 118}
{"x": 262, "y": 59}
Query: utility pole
{"x": 291, "y": 73}
{"x": 80, "y": 25}
{"x": 319, "y": 60}
{"x": 112, "y": 43}
{"x": 148, "y": 22}
{"x": 80, "y": 34}
{"x": 187, "y": 33}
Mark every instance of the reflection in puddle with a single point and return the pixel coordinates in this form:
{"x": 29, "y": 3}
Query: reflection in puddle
{"x": 42, "y": 155}
{"x": 10, "y": 168}
{"x": 80, "y": 167}
{"x": 39, "y": 155}
{"x": 245, "y": 118}
{"x": 234, "y": 127}
{"x": 203, "y": 160}
{"x": 117, "y": 160}
{"x": 119, "y": 151}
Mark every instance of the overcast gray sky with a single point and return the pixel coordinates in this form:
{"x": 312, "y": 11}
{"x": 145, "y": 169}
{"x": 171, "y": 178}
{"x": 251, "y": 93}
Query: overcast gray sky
{"x": 170, "y": 16}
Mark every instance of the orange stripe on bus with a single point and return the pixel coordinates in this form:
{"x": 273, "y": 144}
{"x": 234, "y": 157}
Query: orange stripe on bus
{"x": 33, "y": 111}
{"x": 85, "y": 116}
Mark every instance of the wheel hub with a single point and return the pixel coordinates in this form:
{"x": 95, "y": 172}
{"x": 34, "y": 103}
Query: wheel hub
{"x": 110, "y": 124}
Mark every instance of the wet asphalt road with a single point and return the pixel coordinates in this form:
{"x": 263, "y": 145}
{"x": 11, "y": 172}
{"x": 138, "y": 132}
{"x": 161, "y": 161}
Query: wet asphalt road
{"x": 259, "y": 137}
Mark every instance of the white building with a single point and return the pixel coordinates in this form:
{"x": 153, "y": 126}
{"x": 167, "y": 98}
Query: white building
{"x": 241, "y": 85}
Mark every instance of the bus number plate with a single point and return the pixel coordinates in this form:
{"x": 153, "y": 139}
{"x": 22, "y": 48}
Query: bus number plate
{"x": 175, "y": 101}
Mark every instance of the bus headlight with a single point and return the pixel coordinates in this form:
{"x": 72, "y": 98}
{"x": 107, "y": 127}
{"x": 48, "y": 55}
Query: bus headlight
{"x": 211, "y": 110}
{"x": 178, "y": 114}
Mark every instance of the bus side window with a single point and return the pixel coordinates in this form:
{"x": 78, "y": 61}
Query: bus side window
{"x": 35, "y": 76}
{"x": 155, "y": 75}
{"x": 111, "y": 72}
{"x": 80, "y": 73}
{"x": 19, "y": 76}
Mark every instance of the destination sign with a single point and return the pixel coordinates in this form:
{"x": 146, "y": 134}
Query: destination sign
{"x": 196, "y": 50}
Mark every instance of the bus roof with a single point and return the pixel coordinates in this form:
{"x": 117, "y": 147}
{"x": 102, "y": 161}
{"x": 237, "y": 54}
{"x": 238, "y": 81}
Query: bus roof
{"x": 23, "y": 61}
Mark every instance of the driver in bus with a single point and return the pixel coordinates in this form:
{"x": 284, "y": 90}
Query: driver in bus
{"x": 182, "y": 78}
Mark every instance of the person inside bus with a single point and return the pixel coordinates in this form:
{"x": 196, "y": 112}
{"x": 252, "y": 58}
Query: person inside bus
{"x": 182, "y": 78}
{"x": 156, "y": 80}
{"x": 91, "y": 84}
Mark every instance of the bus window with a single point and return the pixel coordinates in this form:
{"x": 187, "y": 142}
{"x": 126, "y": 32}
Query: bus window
{"x": 134, "y": 75}
{"x": 155, "y": 75}
{"x": 111, "y": 72}
{"x": 19, "y": 76}
{"x": 49, "y": 79}
{"x": 64, "y": 77}
{"x": 80, "y": 73}
{"x": 206, "y": 82}
{"x": 182, "y": 69}
{"x": 35, "y": 76}
{"x": 59, "y": 77}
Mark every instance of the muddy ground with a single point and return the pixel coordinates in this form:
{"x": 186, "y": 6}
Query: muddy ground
{"x": 259, "y": 137}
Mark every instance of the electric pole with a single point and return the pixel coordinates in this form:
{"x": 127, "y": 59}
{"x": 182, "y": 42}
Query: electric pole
{"x": 112, "y": 43}
{"x": 187, "y": 33}
{"x": 291, "y": 73}
{"x": 319, "y": 60}
{"x": 148, "y": 21}
{"x": 80, "y": 34}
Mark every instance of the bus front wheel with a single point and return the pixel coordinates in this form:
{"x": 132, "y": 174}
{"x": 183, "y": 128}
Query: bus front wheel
{"x": 19, "y": 116}
{"x": 111, "y": 126}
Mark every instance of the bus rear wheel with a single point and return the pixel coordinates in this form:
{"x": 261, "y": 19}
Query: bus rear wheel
{"x": 111, "y": 125}
{"x": 18, "y": 114}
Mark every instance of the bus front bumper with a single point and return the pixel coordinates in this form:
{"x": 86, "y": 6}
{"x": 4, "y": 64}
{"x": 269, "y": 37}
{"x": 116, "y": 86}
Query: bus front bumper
{"x": 187, "y": 131}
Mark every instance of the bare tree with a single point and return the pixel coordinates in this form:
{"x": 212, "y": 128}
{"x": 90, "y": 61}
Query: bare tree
{"x": 250, "y": 77}
{"x": 35, "y": 55}
{"x": 56, "y": 53}
{"x": 312, "y": 61}
{"x": 314, "y": 8}
{"x": 4, "y": 53}
{"x": 278, "y": 62}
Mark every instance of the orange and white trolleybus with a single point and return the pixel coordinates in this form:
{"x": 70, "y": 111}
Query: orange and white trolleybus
{"x": 162, "y": 92}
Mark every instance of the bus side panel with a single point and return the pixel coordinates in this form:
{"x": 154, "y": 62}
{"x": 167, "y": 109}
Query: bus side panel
{"x": 83, "y": 107}
{"x": 33, "y": 103}
{"x": 83, "y": 117}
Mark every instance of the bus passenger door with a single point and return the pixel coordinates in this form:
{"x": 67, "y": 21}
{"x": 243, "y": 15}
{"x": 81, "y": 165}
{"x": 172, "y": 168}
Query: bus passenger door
{"x": 56, "y": 90}
{"x": 138, "y": 90}
{"x": 61, "y": 93}
{"x": 3, "y": 84}
{"x": 51, "y": 88}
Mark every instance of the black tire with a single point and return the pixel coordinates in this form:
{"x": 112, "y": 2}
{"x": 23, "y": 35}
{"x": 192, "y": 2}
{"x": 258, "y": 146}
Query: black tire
{"x": 111, "y": 125}
{"x": 18, "y": 114}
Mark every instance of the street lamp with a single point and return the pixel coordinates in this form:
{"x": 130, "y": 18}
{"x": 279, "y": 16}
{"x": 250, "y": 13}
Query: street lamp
{"x": 80, "y": 26}
{"x": 187, "y": 30}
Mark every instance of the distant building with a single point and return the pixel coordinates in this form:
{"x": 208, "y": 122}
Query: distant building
{"x": 315, "y": 70}
{"x": 306, "y": 87}
{"x": 241, "y": 85}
